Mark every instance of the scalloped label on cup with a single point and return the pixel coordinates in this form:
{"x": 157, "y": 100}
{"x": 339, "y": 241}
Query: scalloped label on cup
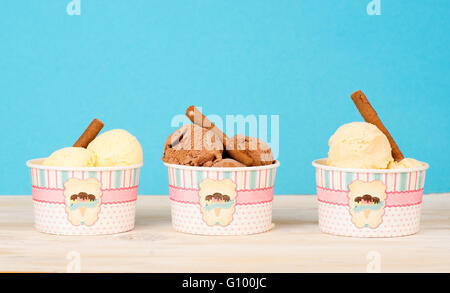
{"x": 367, "y": 201}
{"x": 217, "y": 201}
{"x": 82, "y": 200}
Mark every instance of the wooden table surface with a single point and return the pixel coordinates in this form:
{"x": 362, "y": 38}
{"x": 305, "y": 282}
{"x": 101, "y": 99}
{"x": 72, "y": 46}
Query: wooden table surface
{"x": 294, "y": 245}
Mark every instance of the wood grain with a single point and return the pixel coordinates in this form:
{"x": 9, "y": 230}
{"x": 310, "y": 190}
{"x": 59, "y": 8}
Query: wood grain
{"x": 294, "y": 245}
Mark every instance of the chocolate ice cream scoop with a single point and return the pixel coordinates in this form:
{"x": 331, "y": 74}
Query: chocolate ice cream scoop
{"x": 199, "y": 119}
{"x": 255, "y": 148}
{"x": 193, "y": 145}
{"x": 228, "y": 163}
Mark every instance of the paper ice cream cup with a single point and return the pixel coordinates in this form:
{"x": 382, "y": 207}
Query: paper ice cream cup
{"x": 369, "y": 202}
{"x": 247, "y": 210}
{"x": 109, "y": 209}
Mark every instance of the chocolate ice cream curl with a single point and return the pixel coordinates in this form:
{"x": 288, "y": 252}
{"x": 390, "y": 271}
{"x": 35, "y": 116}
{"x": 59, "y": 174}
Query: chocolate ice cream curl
{"x": 370, "y": 115}
{"x": 199, "y": 119}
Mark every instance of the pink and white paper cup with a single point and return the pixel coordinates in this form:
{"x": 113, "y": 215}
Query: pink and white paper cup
{"x": 369, "y": 202}
{"x": 243, "y": 205}
{"x": 84, "y": 201}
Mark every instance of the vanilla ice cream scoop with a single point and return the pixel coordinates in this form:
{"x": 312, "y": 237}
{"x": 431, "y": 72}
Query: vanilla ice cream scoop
{"x": 405, "y": 163}
{"x": 116, "y": 147}
{"x": 359, "y": 145}
{"x": 71, "y": 157}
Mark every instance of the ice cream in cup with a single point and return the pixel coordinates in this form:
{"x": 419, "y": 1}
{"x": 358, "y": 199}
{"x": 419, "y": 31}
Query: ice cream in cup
{"x": 90, "y": 188}
{"x": 366, "y": 188}
{"x": 213, "y": 192}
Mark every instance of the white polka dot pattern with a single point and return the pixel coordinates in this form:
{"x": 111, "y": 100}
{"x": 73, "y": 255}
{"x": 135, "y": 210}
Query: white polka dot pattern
{"x": 113, "y": 218}
{"x": 397, "y": 221}
{"x": 247, "y": 219}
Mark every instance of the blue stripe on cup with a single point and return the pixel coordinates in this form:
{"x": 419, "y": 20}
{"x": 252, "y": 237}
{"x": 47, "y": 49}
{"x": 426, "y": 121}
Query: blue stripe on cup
{"x": 326, "y": 175}
{"x": 64, "y": 177}
{"x": 420, "y": 179}
{"x": 403, "y": 181}
{"x": 118, "y": 179}
{"x": 269, "y": 184}
{"x": 42, "y": 182}
{"x": 253, "y": 175}
{"x": 178, "y": 178}
{"x": 348, "y": 179}
{"x": 200, "y": 176}
{"x": 377, "y": 176}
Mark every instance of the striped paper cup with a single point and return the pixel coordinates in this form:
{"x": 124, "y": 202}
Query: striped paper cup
{"x": 84, "y": 201}
{"x": 369, "y": 202}
{"x": 221, "y": 201}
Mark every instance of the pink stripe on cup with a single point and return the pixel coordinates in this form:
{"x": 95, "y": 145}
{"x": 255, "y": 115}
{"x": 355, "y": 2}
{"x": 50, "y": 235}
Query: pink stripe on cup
{"x": 417, "y": 180}
{"x": 273, "y": 177}
{"x": 321, "y": 177}
{"x": 56, "y": 195}
{"x": 131, "y": 175}
{"x": 395, "y": 182}
{"x": 259, "y": 179}
{"x": 243, "y": 196}
{"x": 265, "y": 181}
{"x": 332, "y": 179}
{"x": 393, "y": 199}
{"x": 409, "y": 181}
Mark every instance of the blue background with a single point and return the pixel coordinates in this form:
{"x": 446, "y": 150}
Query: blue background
{"x": 136, "y": 64}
